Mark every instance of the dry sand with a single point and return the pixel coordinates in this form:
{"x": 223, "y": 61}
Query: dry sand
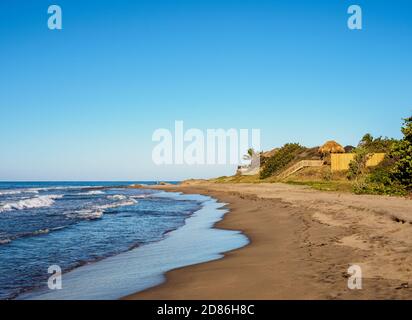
{"x": 302, "y": 243}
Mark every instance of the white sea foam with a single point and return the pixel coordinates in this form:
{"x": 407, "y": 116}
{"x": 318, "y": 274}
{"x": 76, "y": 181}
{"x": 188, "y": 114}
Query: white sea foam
{"x": 28, "y": 203}
{"x": 126, "y": 202}
{"x": 95, "y": 192}
{"x": 8, "y": 192}
{"x": 69, "y": 187}
{"x": 117, "y": 197}
{"x": 92, "y": 192}
{"x": 97, "y": 212}
{"x": 45, "y": 189}
{"x": 4, "y": 241}
{"x": 18, "y": 191}
{"x": 141, "y": 196}
{"x": 41, "y": 231}
{"x": 89, "y": 214}
{"x": 195, "y": 242}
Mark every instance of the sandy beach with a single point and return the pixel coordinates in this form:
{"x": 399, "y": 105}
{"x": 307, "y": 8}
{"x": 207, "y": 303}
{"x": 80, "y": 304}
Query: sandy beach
{"x": 302, "y": 242}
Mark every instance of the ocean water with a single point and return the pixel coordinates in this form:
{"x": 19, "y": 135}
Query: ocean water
{"x": 74, "y": 224}
{"x": 145, "y": 266}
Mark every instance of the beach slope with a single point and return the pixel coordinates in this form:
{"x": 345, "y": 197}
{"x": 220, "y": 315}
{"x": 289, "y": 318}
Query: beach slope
{"x": 302, "y": 243}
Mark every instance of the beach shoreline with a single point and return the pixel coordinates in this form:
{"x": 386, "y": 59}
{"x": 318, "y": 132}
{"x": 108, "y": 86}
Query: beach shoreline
{"x": 144, "y": 266}
{"x": 302, "y": 242}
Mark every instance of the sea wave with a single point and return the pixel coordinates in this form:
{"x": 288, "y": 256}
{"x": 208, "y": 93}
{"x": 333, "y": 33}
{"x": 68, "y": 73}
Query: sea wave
{"x": 9, "y": 192}
{"x": 28, "y": 203}
{"x": 89, "y": 214}
{"x": 117, "y": 197}
{"x": 18, "y": 191}
{"x": 68, "y": 187}
{"x": 41, "y": 231}
{"x": 141, "y": 196}
{"x": 4, "y": 241}
{"x": 91, "y": 193}
{"x": 97, "y": 212}
{"x": 124, "y": 202}
{"x": 45, "y": 189}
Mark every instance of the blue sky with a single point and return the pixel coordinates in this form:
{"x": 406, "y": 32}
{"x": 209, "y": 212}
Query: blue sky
{"x": 82, "y": 103}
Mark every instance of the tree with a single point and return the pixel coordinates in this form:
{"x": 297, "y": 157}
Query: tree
{"x": 374, "y": 145}
{"x": 366, "y": 147}
{"x": 357, "y": 167}
{"x": 249, "y": 155}
{"x": 366, "y": 140}
{"x": 402, "y": 153}
{"x": 254, "y": 158}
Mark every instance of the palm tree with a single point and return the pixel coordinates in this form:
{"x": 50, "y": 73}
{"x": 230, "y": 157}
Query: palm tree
{"x": 253, "y": 156}
{"x": 249, "y": 155}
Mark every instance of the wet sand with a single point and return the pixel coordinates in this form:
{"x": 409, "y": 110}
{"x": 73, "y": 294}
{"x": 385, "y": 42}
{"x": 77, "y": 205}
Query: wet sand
{"x": 302, "y": 242}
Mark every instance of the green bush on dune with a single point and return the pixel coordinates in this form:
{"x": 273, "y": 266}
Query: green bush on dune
{"x": 366, "y": 147}
{"x": 283, "y": 157}
{"x": 394, "y": 175}
{"x": 379, "y": 181}
{"x": 402, "y": 154}
{"x": 357, "y": 167}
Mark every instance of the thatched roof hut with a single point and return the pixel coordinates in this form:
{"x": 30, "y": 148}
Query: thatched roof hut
{"x": 331, "y": 147}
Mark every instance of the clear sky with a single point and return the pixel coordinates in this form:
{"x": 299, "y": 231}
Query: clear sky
{"x": 82, "y": 103}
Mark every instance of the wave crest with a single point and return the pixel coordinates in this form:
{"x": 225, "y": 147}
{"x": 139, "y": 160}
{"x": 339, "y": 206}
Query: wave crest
{"x": 123, "y": 202}
{"x": 29, "y": 203}
{"x": 90, "y": 193}
{"x": 18, "y": 191}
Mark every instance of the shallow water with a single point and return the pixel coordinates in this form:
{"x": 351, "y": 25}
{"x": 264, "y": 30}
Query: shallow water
{"x": 143, "y": 267}
{"x": 72, "y": 224}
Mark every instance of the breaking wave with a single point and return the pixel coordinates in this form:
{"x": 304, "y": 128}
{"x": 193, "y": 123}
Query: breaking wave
{"x": 45, "y": 189}
{"x": 89, "y": 214}
{"x": 97, "y": 212}
{"x": 18, "y": 191}
{"x": 122, "y": 201}
{"x": 91, "y": 193}
{"x": 142, "y": 196}
{"x": 117, "y": 197}
{"x": 28, "y": 203}
{"x": 4, "y": 241}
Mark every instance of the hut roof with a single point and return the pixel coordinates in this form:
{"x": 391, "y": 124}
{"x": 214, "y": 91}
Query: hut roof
{"x": 331, "y": 147}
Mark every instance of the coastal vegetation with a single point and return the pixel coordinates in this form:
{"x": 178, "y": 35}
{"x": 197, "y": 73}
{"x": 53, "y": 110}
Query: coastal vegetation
{"x": 391, "y": 176}
{"x": 282, "y": 158}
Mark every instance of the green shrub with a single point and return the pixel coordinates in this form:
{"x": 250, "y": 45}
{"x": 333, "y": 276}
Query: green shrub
{"x": 357, "y": 167}
{"x": 382, "y": 172}
{"x": 368, "y": 187}
{"x": 390, "y": 176}
{"x": 280, "y": 160}
{"x": 402, "y": 154}
{"x": 367, "y": 146}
